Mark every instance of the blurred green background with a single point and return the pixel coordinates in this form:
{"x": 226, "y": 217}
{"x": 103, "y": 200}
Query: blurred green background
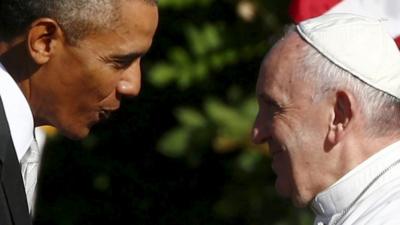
{"x": 180, "y": 153}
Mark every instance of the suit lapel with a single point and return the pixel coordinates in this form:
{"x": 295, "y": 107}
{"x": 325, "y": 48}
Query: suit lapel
{"x": 11, "y": 178}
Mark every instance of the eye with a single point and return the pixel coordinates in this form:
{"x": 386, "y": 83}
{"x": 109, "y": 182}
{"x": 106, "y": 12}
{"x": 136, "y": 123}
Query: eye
{"x": 273, "y": 106}
{"x": 267, "y": 102}
{"x": 121, "y": 64}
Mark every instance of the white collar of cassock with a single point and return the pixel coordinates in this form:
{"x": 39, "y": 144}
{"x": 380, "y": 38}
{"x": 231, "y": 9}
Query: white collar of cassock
{"x": 18, "y": 113}
{"x": 341, "y": 194}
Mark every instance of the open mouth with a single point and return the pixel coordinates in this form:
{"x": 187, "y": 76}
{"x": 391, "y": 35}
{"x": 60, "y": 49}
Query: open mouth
{"x": 104, "y": 114}
{"x": 275, "y": 152}
{"x": 274, "y": 149}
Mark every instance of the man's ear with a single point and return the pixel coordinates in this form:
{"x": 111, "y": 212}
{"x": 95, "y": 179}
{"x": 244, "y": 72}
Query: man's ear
{"x": 43, "y": 36}
{"x": 341, "y": 116}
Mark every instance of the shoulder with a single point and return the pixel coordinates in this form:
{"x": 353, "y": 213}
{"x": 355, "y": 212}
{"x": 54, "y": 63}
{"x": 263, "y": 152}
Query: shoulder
{"x": 383, "y": 211}
{"x": 380, "y": 205}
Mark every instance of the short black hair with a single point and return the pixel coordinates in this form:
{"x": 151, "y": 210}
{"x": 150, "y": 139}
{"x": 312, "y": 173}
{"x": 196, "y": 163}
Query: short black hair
{"x": 76, "y": 17}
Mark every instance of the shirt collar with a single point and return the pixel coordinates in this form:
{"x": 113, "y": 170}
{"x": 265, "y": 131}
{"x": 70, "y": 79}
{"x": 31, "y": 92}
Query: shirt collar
{"x": 342, "y": 193}
{"x": 18, "y": 113}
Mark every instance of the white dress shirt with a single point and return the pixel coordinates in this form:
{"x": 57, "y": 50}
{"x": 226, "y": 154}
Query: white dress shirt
{"x": 18, "y": 113}
{"x": 20, "y": 121}
{"x": 380, "y": 202}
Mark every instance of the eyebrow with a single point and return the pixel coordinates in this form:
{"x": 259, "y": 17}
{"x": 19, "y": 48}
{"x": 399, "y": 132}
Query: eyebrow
{"x": 266, "y": 98}
{"x": 127, "y": 57}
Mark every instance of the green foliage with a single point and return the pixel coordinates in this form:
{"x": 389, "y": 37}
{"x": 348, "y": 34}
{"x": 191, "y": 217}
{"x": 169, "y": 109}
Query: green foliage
{"x": 205, "y": 54}
{"x": 225, "y": 126}
{"x": 179, "y": 4}
{"x": 181, "y": 153}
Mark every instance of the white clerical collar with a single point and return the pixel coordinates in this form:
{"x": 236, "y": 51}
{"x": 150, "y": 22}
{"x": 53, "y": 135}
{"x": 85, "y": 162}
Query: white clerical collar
{"x": 18, "y": 113}
{"x": 342, "y": 193}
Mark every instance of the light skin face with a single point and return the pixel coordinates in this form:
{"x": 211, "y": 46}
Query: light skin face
{"x": 313, "y": 140}
{"x": 293, "y": 124}
{"x": 76, "y": 86}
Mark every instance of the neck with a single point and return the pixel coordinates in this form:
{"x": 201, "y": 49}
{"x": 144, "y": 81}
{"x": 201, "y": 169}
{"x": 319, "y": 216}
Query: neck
{"x": 14, "y": 54}
{"x": 358, "y": 150}
{"x": 18, "y": 63}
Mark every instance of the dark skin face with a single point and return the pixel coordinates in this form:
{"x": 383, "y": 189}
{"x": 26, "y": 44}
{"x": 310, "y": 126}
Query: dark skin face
{"x": 72, "y": 87}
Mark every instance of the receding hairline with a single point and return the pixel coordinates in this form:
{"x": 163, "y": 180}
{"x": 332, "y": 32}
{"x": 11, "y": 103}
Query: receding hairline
{"x": 77, "y": 18}
{"x": 291, "y": 44}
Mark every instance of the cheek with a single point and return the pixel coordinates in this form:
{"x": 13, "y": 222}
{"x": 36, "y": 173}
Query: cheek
{"x": 288, "y": 137}
{"x": 295, "y": 134}
{"x": 283, "y": 132}
{"x": 99, "y": 83}
{"x": 90, "y": 76}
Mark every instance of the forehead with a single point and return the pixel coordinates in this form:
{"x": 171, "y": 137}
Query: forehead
{"x": 277, "y": 77}
{"x": 133, "y": 31}
{"x": 138, "y": 16}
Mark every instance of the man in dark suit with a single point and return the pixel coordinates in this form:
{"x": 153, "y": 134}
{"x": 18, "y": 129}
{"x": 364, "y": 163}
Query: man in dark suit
{"x": 65, "y": 63}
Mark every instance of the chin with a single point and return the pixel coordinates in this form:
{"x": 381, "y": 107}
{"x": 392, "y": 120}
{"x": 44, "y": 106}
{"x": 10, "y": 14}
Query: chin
{"x": 299, "y": 203}
{"x": 301, "y": 200}
{"x": 75, "y": 134}
{"x": 285, "y": 189}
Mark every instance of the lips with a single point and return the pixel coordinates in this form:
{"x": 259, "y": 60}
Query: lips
{"x": 275, "y": 152}
{"x": 276, "y": 155}
{"x": 105, "y": 114}
{"x": 274, "y": 148}
{"x": 277, "y": 160}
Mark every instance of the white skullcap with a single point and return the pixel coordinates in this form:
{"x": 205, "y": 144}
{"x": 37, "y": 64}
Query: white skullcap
{"x": 359, "y": 45}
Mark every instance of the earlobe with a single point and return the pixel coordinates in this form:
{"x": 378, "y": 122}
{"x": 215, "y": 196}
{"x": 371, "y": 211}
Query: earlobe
{"x": 335, "y": 133}
{"x": 42, "y": 37}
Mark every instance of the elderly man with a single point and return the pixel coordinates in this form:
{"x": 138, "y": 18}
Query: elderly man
{"x": 329, "y": 108}
{"x": 65, "y": 63}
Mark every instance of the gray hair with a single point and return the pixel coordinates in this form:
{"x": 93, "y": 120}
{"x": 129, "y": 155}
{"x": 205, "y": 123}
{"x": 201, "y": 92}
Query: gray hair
{"x": 77, "y": 18}
{"x": 381, "y": 110}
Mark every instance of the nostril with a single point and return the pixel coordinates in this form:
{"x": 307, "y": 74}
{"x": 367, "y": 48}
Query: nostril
{"x": 260, "y": 135}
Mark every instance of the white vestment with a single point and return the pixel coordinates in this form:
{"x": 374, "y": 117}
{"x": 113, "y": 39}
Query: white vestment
{"x": 376, "y": 184}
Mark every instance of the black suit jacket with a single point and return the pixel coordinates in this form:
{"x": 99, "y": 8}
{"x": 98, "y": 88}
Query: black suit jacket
{"x": 13, "y": 204}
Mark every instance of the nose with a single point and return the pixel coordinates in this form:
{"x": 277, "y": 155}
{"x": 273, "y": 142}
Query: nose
{"x": 260, "y": 132}
{"x": 130, "y": 83}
